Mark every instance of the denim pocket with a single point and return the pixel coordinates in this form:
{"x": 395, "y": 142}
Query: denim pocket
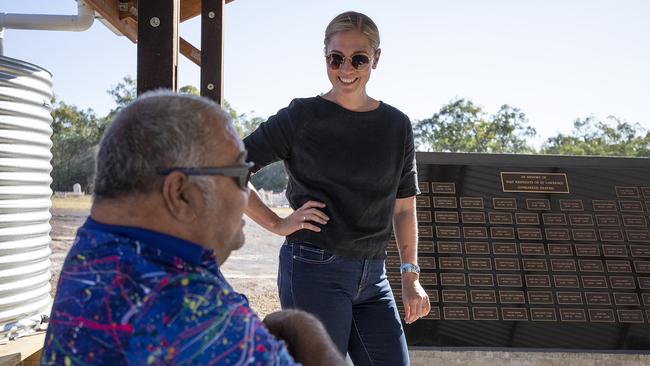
{"x": 311, "y": 254}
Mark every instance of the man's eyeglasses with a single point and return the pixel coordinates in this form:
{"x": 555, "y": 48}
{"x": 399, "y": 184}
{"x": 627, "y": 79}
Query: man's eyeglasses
{"x": 335, "y": 61}
{"x": 241, "y": 173}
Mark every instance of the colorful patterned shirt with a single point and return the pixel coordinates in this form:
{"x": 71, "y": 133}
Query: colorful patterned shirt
{"x": 133, "y": 296}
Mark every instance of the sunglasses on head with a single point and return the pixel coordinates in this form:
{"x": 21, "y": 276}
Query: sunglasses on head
{"x": 335, "y": 61}
{"x": 241, "y": 173}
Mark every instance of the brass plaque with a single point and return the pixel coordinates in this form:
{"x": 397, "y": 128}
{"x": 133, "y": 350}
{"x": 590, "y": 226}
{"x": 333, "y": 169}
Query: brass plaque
{"x": 471, "y": 202}
{"x": 604, "y": 205}
{"x": 452, "y": 279}
{"x": 456, "y": 313}
{"x": 449, "y": 247}
{"x": 479, "y": 264}
{"x": 646, "y": 192}
{"x": 506, "y": 264}
{"x": 591, "y": 265}
{"x": 611, "y": 235}
{"x": 446, "y": 217}
{"x": 424, "y": 187}
{"x": 531, "y": 264}
{"x": 631, "y": 206}
{"x": 538, "y": 280}
{"x": 618, "y": 266}
{"x": 598, "y": 298}
{"x": 428, "y": 279}
{"x": 482, "y": 313}
{"x": 614, "y": 251}
{"x": 512, "y": 297}
{"x": 538, "y": 204}
{"x": 627, "y": 299}
{"x": 594, "y": 282}
{"x": 423, "y": 216}
{"x": 543, "y": 315}
{"x": 504, "y": 203}
{"x": 646, "y": 298}
{"x": 422, "y": 201}
{"x": 514, "y": 314}
{"x": 634, "y": 220}
{"x": 601, "y": 315}
{"x": 561, "y": 249}
{"x": 571, "y": 205}
{"x": 444, "y": 202}
{"x": 481, "y": 280}
{"x": 608, "y": 220}
{"x": 477, "y": 247}
{"x": 473, "y": 217}
{"x": 425, "y": 246}
{"x": 504, "y": 248}
{"x": 500, "y": 218}
{"x": 502, "y": 233}
{"x": 427, "y": 262}
{"x": 425, "y": 231}
{"x": 554, "y": 219}
{"x": 566, "y": 281}
{"x": 527, "y": 218}
{"x": 572, "y": 315}
{"x": 557, "y": 234}
{"x": 451, "y": 263}
{"x": 642, "y": 266}
{"x": 569, "y": 298}
{"x": 433, "y": 295}
{"x": 448, "y": 232}
{"x": 434, "y": 314}
{"x": 640, "y": 250}
{"x": 532, "y": 249}
{"x": 454, "y": 296}
{"x": 563, "y": 265}
{"x": 483, "y": 296}
{"x": 587, "y": 250}
{"x": 540, "y": 297}
{"x": 584, "y": 234}
{"x": 443, "y": 188}
{"x": 581, "y": 220}
{"x": 514, "y": 280}
{"x": 393, "y": 263}
{"x": 630, "y": 316}
{"x": 534, "y": 182}
{"x": 470, "y": 232}
{"x": 638, "y": 235}
{"x": 627, "y": 192}
{"x": 622, "y": 282}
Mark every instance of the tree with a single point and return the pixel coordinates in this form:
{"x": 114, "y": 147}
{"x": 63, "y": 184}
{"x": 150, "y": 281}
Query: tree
{"x": 462, "y": 126}
{"x": 611, "y": 137}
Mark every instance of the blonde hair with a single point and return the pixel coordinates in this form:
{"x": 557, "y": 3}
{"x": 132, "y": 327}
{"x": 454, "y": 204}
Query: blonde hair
{"x": 351, "y": 20}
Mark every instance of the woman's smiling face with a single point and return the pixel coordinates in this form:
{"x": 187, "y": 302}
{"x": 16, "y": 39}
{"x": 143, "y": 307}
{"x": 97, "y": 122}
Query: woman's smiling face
{"x": 346, "y": 79}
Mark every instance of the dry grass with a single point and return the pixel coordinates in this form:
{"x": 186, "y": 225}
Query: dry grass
{"x": 81, "y": 203}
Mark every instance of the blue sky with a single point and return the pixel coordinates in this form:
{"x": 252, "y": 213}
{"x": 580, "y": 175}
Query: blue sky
{"x": 556, "y": 60}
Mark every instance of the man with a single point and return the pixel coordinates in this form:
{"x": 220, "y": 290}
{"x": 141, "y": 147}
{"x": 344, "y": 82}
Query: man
{"x": 141, "y": 284}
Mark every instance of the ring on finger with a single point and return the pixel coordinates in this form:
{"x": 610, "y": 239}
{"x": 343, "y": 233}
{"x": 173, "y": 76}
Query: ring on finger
{"x": 304, "y": 218}
{"x": 302, "y": 226}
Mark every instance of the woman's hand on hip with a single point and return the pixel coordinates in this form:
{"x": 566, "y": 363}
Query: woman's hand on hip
{"x": 302, "y": 219}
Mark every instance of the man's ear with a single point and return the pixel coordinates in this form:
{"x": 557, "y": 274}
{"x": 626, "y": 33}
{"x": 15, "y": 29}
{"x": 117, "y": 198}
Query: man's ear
{"x": 375, "y": 59}
{"x": 181, "y": 197}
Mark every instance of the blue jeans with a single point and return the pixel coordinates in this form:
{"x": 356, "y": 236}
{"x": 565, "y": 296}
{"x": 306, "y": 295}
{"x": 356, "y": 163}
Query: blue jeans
{"x": 353, "y": 299}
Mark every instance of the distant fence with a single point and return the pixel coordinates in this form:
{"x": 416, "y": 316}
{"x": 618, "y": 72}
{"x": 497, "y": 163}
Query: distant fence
{"x": 273, "y": 199}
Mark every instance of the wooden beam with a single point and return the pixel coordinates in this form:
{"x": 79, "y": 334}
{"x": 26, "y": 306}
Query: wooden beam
{"x": 192, "y": 8}
{"x": 109, "y": 10}
{"x": 212, "y": 49}
{"x": 157, "y": 44}
{"x": 192, "y": 53}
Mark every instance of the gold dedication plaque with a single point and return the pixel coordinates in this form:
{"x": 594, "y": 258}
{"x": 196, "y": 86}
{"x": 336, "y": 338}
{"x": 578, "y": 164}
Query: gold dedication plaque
{"x": 531, "y": 182}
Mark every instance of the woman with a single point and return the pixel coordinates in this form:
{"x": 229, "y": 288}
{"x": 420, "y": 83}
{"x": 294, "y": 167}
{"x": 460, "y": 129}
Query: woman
{"x": 351, "y": 165}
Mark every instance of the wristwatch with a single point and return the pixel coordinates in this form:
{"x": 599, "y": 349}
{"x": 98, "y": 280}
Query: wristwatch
{"x": 409, "y": 267}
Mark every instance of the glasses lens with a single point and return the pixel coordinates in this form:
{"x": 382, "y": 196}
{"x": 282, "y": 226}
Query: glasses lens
{"x": 360, "y": 61}
{"x": 334, "y": 60}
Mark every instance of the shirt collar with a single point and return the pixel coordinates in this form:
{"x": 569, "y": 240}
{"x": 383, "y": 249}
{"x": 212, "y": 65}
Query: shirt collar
{"x": 186, "y": 250}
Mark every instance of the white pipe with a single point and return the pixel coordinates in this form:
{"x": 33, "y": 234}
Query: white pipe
{"x": 77, "y": 23}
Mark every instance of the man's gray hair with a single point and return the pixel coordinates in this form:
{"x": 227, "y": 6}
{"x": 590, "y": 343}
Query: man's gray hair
{"x": 159, "y": 129}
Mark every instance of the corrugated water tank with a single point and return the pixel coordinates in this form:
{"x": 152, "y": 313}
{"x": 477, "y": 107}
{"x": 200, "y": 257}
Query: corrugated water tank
{"x": 25, "y": 130}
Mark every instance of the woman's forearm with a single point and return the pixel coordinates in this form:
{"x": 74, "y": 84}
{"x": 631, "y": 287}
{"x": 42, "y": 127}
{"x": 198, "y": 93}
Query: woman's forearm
{"x": 260, "y": 212}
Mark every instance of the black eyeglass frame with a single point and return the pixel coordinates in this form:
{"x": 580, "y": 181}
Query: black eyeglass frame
{"x": 240, "y": 172}
{"x": 355, "y": 65}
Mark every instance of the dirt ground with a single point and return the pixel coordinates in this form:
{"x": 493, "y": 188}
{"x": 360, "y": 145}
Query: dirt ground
{"x": 251, "y": 270}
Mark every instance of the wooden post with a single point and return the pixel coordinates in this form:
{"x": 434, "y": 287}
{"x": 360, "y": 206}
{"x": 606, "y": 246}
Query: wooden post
{"x": 157, "y": 44}
{"x": 212, "y": 49}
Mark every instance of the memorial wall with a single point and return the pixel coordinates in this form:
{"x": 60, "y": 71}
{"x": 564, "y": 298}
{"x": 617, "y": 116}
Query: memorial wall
{"x": 530, "y": 251}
